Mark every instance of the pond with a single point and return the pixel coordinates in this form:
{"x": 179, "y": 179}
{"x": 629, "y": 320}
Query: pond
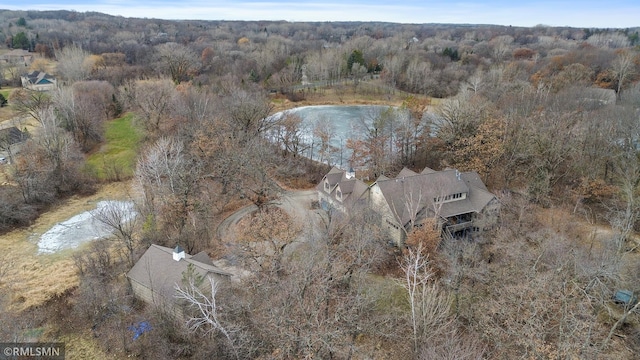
{"x": 343, "y": 122}
{"x": 81, "y": 228}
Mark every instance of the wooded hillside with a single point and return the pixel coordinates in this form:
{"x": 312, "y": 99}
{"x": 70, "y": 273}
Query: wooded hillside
{"x": 178, "y": 112}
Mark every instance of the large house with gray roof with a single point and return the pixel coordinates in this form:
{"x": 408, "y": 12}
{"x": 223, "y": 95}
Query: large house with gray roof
{"x": 156, "y": 274}
{"x": 458, "y": 200}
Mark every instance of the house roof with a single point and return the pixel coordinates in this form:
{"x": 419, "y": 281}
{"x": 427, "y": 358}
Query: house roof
{"x": 334, "y": 176}
{"x": 351, "y": 189}
{"x": 12, "y": 136}
{"x": 39, "y": 78}
{"x": 412, "y": 196}
{"x": 157, "y": 270}
{"x": 406, "y": 172}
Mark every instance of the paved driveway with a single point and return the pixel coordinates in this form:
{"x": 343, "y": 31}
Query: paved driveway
{"x": 297, "y": 203}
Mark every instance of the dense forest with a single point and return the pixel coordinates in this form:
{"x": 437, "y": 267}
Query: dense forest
{"x": 549, "y": 117}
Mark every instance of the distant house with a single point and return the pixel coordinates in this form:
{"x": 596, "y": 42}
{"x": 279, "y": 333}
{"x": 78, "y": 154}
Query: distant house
{"x": 459, "y": 201}
{"x": 155, "y": 275}
{"x": 39, "y": 81}
{"x": 10, "y": 136}
{"x": 17, "y": 56}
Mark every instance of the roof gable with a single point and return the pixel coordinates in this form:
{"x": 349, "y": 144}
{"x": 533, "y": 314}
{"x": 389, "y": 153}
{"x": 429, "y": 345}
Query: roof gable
{"x": 406, "y": 172}
{"x": 336, "y": 181}
{"x": 39, "y": 78}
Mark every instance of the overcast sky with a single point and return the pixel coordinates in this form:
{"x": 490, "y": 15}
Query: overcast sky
{"x": 582, "y": 13}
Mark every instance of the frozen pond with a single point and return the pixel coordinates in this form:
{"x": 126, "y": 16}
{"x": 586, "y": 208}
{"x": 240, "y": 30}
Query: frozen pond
{"x": 343, "y": 121}
{"x": 81, "y": 228}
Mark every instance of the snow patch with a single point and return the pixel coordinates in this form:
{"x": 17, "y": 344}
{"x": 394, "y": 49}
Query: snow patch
{"x": 79, "y": 229}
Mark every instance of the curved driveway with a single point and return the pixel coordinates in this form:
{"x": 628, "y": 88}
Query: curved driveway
{"x": 297, "y": 203}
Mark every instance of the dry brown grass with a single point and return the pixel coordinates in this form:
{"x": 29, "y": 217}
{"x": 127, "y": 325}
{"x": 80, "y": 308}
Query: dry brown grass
{"x": 81, "y": 347}
{"x": 6, "y": 113}
{"x": 573, "y": 226}
{"x": 347, "y": 96}
{"x": 32, "y": 279}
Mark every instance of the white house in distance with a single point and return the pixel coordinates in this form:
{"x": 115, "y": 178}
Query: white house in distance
{"x": 39, "y": 81}
{"x": 459, "y": 200}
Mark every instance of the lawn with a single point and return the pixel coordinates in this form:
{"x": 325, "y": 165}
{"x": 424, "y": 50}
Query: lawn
{"x": 116, "y": 158}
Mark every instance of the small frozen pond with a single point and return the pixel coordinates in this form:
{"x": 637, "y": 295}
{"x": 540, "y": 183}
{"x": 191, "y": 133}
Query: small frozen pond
{"x": 81, "y": 228}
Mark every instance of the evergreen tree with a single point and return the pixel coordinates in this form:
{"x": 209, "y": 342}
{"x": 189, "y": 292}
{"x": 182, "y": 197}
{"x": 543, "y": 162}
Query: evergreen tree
{"x": 21, "y": 41}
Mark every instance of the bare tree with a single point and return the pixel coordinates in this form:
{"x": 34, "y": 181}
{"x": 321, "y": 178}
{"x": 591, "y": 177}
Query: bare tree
{"x": 30, "y": 103}
{"x": 454, "y": 345}
{"x": 121, "y": 218}
{"x": 290, "y": 132}
{"x": 49, "y": 165}
{"x": 475, "y": 82}
{"x": 324, "y": 130}
{"x": 429, "y": 305}
{"x": 73, "y": 63}
{"x": 246, "y": 114}
{"x": 376, "y": 147}
{"x": 624, "y": 68}
{"x": 621, "y": 320}
{"x": 82, "y": 110}
{"x": 458, "y": 117}
{"x": 264, "y": 237}
{"x": 152, "y": 101}
{"x": 410, "y": 130}
{"x": 207, "y": 316}
{"x": 177, "y": 60}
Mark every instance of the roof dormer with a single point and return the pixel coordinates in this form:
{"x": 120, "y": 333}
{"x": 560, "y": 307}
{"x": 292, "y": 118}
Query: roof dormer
{"x": 339, "y": 193}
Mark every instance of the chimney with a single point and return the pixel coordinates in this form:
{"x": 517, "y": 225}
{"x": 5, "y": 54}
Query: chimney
{"x": 351, "y": 173}
{"x": 178, "y": 253}
{"x": 458, "y": 175}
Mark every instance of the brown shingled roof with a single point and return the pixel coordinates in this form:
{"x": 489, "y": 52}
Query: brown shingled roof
{"x": 157, "y": 270}
{"x": 406, "y": 172}
{"x": 412, "y": 195}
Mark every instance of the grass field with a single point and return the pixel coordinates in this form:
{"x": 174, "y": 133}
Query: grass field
{"x": 5, "y": 93}
{"x": 5, "y": 112}
{"x": 116, "y": 158}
